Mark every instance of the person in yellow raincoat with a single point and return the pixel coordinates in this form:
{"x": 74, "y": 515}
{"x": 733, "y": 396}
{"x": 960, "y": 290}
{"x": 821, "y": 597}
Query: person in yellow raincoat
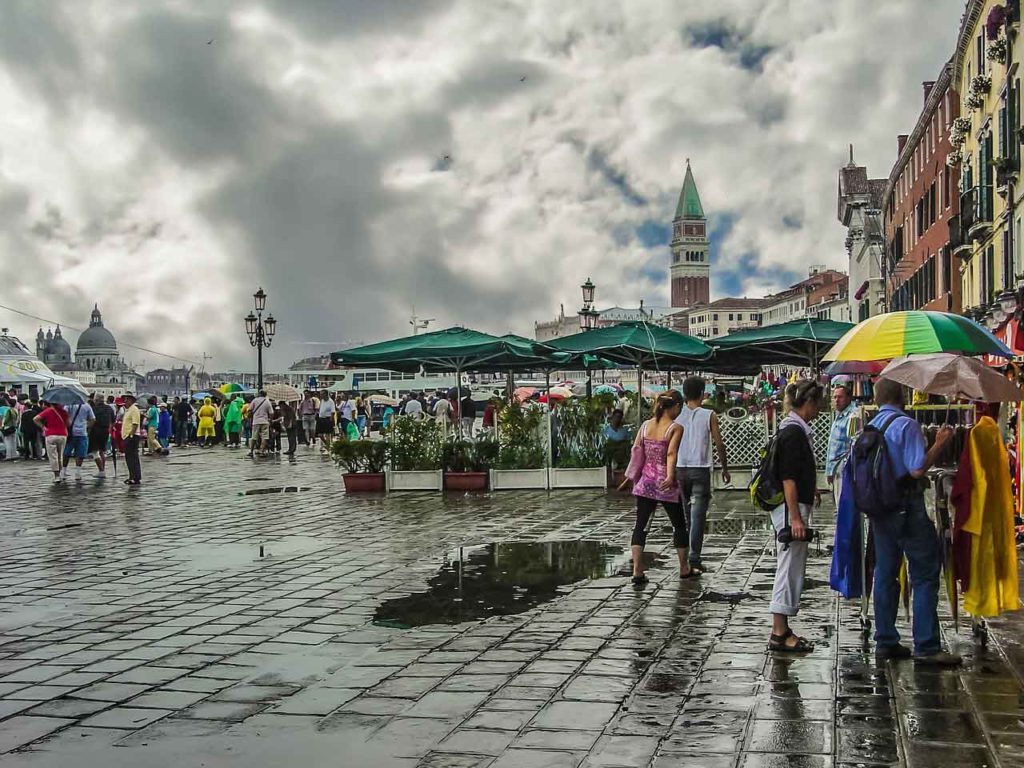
{"x": 992, "y": 588}
{"x": 207, "y": 425}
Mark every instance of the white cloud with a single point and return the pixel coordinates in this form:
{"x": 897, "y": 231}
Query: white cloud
{"x": 470, "y": 158}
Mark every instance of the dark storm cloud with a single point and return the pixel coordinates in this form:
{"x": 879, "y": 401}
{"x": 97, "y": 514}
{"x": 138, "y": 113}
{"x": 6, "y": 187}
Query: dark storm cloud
{"x": 38, "y": 46}
{"x": 197, "y": 100}
{"x": 351, "y": 18}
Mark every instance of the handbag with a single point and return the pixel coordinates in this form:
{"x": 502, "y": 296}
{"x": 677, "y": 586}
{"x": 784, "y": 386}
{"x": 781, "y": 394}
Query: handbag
{"x": 637, "y": 459}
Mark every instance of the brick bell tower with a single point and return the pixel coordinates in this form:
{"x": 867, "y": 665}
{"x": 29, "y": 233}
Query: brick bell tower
{"x": 691, "y": 264}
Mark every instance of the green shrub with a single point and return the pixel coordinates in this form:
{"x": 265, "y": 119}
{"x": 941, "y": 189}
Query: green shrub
{"x": 579, "y": 436}
{"x": 359, "y": 456}
{"x": 521, "y": 437}
{"x": 415, "y": 444}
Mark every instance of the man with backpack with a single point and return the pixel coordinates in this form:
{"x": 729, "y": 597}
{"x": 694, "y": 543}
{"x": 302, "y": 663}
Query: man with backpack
{"x": 890, "y": 460}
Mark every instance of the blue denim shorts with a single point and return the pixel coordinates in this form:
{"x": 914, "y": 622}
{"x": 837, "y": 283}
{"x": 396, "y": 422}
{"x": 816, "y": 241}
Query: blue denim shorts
{"x": 77, "y": 447}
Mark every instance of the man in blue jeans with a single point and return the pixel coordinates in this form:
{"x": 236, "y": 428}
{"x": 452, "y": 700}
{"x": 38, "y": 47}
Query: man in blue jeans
{"x": 693, "y": 462}
{"x": 909, "y": 532}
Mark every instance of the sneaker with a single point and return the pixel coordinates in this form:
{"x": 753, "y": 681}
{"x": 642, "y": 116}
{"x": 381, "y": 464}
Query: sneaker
{"x": 940, "y": 659}
{"x": 100, "y": 475}
{"x": 58, "y": 479}
{"x": 882, "y": 653}
{"x": 78, "y": 476}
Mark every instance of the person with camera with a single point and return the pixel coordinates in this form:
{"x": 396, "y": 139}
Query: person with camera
{"x": 804, "y": 400}
{"x": 908, "y": 532}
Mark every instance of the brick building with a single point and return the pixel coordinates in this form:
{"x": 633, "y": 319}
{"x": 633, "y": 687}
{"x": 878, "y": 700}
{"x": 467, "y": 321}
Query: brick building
{"x": 922, "y": 205}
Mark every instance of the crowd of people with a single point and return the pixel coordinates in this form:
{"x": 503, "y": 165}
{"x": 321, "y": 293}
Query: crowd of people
{"x": 670, "y": 466}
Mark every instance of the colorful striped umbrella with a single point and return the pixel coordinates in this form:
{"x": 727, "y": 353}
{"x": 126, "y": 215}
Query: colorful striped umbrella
{"x": 896, "y": 334}
{"x": 229, "y": 388}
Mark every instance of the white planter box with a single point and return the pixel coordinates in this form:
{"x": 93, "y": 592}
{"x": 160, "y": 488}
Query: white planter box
{"x": 420, "y": 480}
{"x": 740, "y": 480}
{"x": 518, "y": 479}
{"x": 593, "y": 477}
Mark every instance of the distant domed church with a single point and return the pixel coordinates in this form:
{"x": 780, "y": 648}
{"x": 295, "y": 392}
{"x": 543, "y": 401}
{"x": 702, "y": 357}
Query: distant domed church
{"x": 96, "y": 358}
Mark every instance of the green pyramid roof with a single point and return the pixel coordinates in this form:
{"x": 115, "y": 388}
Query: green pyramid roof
{"x": 689, "y": 206}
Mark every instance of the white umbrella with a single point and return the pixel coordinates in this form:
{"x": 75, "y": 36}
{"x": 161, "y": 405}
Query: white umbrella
{"x": 953, "y": 376}
{"x": 382, "y": 400}
{"x": 283, "y": 392}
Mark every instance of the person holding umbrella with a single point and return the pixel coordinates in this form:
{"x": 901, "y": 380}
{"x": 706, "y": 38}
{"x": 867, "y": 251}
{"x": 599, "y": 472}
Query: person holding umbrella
{"x": 131, "y": 424}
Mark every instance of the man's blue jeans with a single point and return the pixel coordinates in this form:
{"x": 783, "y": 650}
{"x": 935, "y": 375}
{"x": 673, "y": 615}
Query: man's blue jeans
{"x": 911, "y": 533}
{"x": 695, "y": 488}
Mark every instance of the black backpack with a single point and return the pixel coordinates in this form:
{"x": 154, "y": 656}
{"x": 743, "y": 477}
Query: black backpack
{"x": 870, "y": 474}
{"x": 765, "y": 486}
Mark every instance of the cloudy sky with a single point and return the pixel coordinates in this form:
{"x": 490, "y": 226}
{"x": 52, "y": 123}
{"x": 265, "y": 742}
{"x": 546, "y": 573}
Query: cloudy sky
{"x": 476, "y": 159}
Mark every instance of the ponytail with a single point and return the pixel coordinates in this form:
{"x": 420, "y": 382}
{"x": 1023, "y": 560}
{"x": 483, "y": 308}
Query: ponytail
{"x": 668, "y": 399}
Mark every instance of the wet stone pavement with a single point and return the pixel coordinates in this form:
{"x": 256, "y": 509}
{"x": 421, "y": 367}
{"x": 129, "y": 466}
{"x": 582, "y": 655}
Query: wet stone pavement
{"x": 141, "y": 627}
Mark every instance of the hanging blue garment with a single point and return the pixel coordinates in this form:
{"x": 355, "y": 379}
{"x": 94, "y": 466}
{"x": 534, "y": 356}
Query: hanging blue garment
{"x": 847, "y": 574}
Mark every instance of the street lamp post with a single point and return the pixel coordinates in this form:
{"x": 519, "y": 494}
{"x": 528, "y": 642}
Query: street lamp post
{"x": 588, "y": 322}
{"x": 261, "y": 332}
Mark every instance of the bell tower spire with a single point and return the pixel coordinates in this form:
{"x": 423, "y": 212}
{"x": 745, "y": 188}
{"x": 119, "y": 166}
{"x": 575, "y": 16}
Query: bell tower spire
{"x": 691, "y": 265}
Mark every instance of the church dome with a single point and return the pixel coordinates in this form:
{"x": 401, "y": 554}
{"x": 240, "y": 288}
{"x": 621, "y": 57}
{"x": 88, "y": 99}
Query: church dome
{"x": 96, "y": 337}
{"x": 58, "y": 346}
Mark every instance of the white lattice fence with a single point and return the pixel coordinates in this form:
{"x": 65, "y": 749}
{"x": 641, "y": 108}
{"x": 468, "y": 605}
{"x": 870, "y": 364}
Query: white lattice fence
{"x": 822, "y": 427}
{"x": 744, "y": 438}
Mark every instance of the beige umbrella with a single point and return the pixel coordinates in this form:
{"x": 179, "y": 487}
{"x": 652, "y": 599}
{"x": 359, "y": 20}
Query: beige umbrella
{"x": 953, "y": 376}
{"x": 382, "y": 400}
{"x": 283, "y": 392}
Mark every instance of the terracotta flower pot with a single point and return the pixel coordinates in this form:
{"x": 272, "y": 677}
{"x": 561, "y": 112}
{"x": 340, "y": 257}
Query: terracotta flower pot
{"x": 465, "y": 481}
{"x": 364, "y": 482}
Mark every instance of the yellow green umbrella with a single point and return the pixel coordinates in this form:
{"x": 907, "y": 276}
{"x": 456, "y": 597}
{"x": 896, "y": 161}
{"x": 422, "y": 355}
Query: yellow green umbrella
{"x": 895, "y": 334}
{"x": 227, "y": 389}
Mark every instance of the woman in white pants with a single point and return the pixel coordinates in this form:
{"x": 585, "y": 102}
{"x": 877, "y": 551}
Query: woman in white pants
{"x": 799, "y": 475}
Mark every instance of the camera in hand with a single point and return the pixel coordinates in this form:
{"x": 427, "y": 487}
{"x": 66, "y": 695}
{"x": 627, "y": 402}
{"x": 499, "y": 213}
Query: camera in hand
{"x": 786, "y": 535}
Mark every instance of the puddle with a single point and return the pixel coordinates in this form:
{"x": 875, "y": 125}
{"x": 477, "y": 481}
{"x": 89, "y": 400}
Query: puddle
{"x": 501, "y": 580}
{"x": 278, "y": 489}
{"x": 732, "y": 598}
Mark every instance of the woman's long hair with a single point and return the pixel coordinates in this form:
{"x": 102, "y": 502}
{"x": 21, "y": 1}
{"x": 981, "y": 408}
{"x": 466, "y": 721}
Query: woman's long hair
{"x": 668, "y": 399}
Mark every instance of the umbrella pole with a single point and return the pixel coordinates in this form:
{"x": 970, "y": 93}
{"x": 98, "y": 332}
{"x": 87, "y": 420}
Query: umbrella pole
{"x": 458, "y": 404}
{"x": 639, "y": 396}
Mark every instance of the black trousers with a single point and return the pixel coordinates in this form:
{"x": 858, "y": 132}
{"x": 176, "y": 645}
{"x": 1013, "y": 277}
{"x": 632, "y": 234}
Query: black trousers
{"x": 292, "y": 438}
{"x": 131, "y": 458}
{"x": 645, "y": 512}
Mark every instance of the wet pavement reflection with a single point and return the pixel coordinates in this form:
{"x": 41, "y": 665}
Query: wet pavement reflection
{"x": 276, "y": 619}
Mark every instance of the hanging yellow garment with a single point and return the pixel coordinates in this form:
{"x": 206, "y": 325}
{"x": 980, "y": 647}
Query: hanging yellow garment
{"x": 994, "y": 588}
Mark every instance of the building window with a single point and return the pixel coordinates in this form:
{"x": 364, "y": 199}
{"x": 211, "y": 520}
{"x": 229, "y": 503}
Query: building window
{"x": 715, "y": 318}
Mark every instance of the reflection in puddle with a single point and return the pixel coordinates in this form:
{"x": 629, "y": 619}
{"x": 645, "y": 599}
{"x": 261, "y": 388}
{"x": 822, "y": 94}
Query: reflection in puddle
{"x": 500, "y": 580}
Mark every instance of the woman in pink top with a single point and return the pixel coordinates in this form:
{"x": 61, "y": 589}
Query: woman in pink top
{"x": 53, "y": 420}
{"x": 659, "y": 438}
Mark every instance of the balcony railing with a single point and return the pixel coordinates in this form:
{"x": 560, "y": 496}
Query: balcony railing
{"x": 976, "y": 211}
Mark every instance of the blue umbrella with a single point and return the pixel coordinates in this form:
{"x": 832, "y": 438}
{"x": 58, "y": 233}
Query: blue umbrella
{"x": 65, "y": 396}
{"x": 200, "y": 395}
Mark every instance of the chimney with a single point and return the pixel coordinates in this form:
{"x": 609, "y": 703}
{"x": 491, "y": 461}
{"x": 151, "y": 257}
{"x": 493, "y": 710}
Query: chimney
{"x": 901, "y": 142}
{"x": 928, "y": 85}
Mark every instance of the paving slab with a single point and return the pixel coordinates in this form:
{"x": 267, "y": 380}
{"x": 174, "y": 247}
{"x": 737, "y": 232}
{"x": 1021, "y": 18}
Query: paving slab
{"x": 135, "y": 631}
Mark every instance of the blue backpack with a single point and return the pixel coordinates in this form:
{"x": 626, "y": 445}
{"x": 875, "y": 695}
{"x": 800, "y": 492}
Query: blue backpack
{"x": 877, "y": 491}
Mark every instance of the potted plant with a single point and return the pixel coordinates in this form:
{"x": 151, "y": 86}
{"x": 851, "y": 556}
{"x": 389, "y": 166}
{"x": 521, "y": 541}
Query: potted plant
{"x": 466, "y": 462}
{"x": 414, "y": 455}
{"x": 522, "y": 455}
{"x": 363, "y": 462}
{"x": 579, "y": 445}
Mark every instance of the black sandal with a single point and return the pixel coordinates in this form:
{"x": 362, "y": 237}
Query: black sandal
{"x": 777, "y": 644}
{"x": 639, "y": 581}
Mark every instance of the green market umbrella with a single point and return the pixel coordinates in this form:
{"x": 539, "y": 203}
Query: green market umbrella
{"x": 635, "y": 343}
{"x": 451, "y": 349}
{"x": 798, "y": 342}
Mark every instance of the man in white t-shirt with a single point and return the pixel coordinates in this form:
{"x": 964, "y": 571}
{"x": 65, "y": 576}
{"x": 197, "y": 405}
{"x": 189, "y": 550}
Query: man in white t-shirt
{"x": 442, "y": 409}
{"x": 414, "y": 408}
{"x": 693, "y": 463}
{"x": 325, "y": 420}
